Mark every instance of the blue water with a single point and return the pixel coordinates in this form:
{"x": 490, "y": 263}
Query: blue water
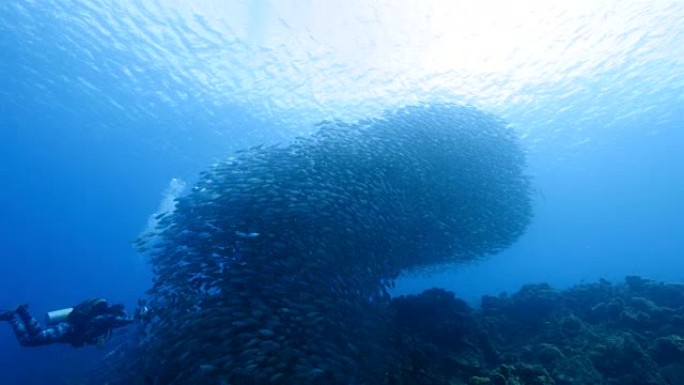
{"x": 102, "y": 104}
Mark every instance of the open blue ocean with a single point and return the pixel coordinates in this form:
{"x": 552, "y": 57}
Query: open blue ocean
{"x": 109, "y": 110}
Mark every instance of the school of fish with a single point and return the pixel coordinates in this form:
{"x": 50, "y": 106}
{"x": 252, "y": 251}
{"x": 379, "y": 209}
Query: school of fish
{"x": 275, "y": 268}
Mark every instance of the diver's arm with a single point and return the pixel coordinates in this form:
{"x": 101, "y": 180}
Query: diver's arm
{"x": 109, "y": 321}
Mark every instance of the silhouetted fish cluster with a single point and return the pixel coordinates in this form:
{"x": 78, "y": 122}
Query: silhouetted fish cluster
{"x": 274, "y": 269}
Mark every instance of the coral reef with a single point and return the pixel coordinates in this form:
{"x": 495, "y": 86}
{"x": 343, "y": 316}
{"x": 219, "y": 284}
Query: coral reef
{"x": 628, "y": 334}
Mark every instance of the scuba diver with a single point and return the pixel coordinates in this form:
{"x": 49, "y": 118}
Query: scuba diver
{"x": 89, "y": 323}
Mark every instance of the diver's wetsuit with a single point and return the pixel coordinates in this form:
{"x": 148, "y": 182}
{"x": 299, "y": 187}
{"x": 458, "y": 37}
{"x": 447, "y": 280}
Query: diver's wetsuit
{"x": 29, "y": 333}
{"x": 98, "y": 327}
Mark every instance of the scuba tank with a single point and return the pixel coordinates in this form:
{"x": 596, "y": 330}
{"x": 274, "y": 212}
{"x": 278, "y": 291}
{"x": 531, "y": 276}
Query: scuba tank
{"x": 56, "y": 316}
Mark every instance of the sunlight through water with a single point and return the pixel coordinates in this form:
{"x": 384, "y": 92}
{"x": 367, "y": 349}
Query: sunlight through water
{"x": 533, "y": 62}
